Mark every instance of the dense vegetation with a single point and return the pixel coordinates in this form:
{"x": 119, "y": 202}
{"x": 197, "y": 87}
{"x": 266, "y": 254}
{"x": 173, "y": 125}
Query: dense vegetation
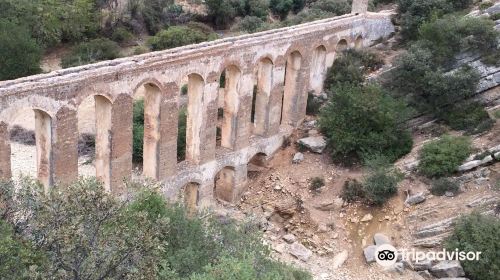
{"x": 442, "y": 157}
{"x": 85, "y": 233}
{"x": 478, "y": 233}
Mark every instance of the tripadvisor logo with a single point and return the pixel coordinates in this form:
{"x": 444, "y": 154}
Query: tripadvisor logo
{"x": 387, "y": 255}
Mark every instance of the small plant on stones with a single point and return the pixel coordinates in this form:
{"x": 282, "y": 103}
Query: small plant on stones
{"x": 443, "y": 185}
{"x": 316, "y": 183}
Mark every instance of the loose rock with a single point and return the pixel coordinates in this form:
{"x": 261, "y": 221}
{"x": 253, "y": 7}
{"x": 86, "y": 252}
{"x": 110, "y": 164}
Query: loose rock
{"x": 415, "y": 199}
{"x": 298, "y": 158}
{"x": 300, "y": 251}
{"x": 369, "y": 253}
{"x": 340, "y": 259}
{"x": 315, "y": 144}
{"x": 381, "y": 239}
{"x": 447, "y": 269}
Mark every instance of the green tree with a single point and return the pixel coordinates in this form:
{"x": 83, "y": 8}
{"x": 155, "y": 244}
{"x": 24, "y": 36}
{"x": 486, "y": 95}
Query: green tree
{"x": 363, "y": 121}
{"x": 478, "y": 233}
{"x": 19, "y": 53}
{"x": 91, "y": 52}
{"x": 221, "y": 12}
{"x": 85, "y": 232}
{"x": 177, "y": 36}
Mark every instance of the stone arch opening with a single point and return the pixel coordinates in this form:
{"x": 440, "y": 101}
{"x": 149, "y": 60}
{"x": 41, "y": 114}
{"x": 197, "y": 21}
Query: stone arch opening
{"x": 342, "y": 46}
{"x": 194, "y": 117}
{"x": 224, "y": 184}
{"x": 257, "y": 164}
{"x": 228, "y": 101}
{"x": 262, "y": 93}
{"x": 30, "y": 140}
{"x": 318, "y": 69}
{"x": 146, "y": 129}
{"x": 291, "y": 92}
{"x": 191, "y": 197}
{"x": 358, "y": 44}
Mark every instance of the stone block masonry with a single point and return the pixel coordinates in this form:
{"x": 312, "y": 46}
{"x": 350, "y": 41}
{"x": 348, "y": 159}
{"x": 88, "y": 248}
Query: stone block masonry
{"x": 278, "y": 66}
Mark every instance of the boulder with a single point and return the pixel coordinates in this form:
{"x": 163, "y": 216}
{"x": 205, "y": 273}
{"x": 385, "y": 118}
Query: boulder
{"x": 447, "y": 269}
{"x": 415, "y": 199}
{"x": 315, "y": 144}
{"x": 381, "y": 239}
{"x": 300, "y": 251}
{"x": 369, "y": 253}
{"x": 340, "y": 259}
{"x": 366, "y": 218}
{"x": 469, "y": 165}
{"x": 495, "y": 9}
{"x": 422, "y": 265}
{"x": 298, "y": 158}
{"x": 289, "y": 238}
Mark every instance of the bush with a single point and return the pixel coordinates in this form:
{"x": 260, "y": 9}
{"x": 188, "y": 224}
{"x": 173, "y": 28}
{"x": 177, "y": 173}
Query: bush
{"x": 138, "y": 131}
{"x": 184, "y": 89}
{"x": 249, "y": 24}
{"x": 468, "y": 116}
{"x": 20, "y": 260}
{"x": 19, "y": 54}
{"x": 221, "y": 12}
{"x": 363, "y": 121}
{"x": 137, "y": 236}
{"x": 91, "y": 52}
{"x": 337, "y": 7}
{"x": 121, "y": 35}
{"x": 181, "y": 136}
{"x": 382, "y": 181}
{"x": 442, "y": 157}
{"x": 485, "y": 5}
{"x": 352, "y": 191}
{"x": 443, "y": 185}
{"x": 317, "y": 183}
{"x": 177, "y": 36}
{"x": 313, "y": 104}
{"x": 351, "y": 67}
{"x": 281, "y": 7}
{"x": 478, "y": 233}
{"x": 306, "y": 15}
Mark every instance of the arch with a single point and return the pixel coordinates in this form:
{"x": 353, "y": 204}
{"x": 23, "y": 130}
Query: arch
{"x": 260, "y": 104}
{"x": 103, "y": 121}
{"x": 291, "y": 93}
{"x": 191, "y": 197}
{"x": 358, "y": 43}
{"x": 224, "y": 184}
{"x": 257, "y": 163}
{"x": 341, "y": 46}
{"x": 231, "y": 106}
{"x": 196, "y": 86}
{"x": 318, "y": 69}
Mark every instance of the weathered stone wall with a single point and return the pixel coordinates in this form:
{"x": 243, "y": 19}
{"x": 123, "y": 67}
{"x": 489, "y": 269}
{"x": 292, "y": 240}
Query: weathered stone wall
{"x": 113, "y": 84}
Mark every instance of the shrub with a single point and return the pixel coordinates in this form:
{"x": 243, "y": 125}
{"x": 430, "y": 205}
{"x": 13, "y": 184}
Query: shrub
{"x": 495, "y": 16}
{"x": 313, "y": 104}
{"x": 176, "y": 36}
{"x": 140, "y": 50}
{"x": 485, "y": 5}
{"x": 468, "y": 116}
{"x": 306, "y": 15}
{"x": 352, "y": 191}
{"x": 364, "y": 121}
{"x": 478, "y": 233}
{"x": 91, "y": 52}
{"x": 496, "y": 114}
{"x": 221, "y": 12}
{"x": 20, "y": 260}
{"x": 121, "y": 35}
{"x": 181, "y": 136}
{"x": 316, "y": 183}
{"x": 281, "y": 7}
{"x": 184, "y": 89}
{"x": 382, "y": 181}
{"x": 442, "y": 157}
{"x": 443, "y": 185}
{"x": 351, "y": 67}
{"x": 19, "y": 54}
{"x": 337, "y": 7}
{"x": 249, "y": 24}
{"x": 138, "y": 131}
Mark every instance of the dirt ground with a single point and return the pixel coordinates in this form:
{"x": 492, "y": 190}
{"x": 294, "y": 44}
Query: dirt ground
{"x": 328, "y": 229}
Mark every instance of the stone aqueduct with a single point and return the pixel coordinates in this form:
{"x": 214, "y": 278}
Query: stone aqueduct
{"x": 284, "y": 64}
